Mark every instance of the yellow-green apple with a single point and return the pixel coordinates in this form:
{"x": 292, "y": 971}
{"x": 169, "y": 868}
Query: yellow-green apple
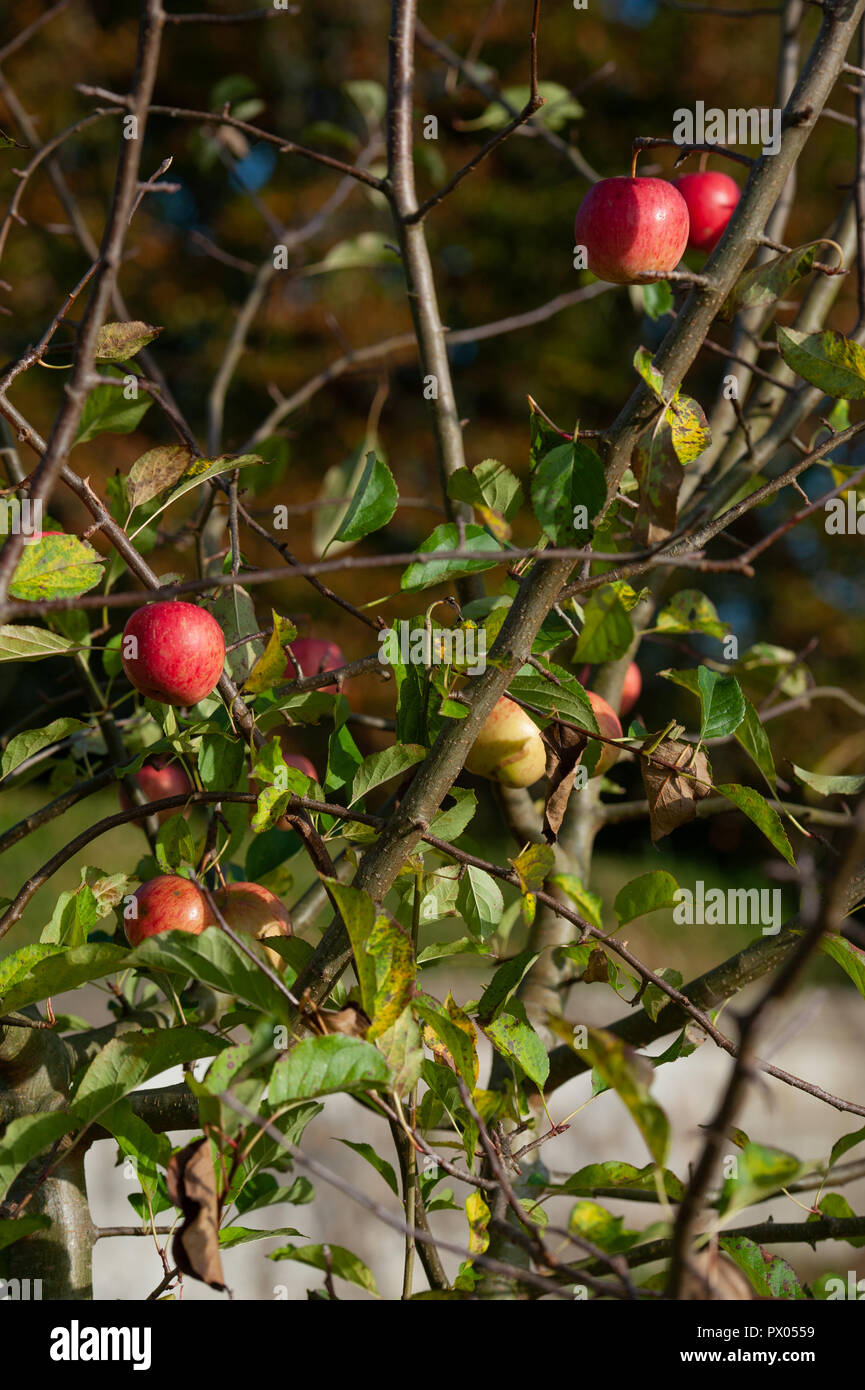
{"x": 252, "y": 910}
{"x": 711, "y": 198}
{"x": 509, "y": 748}
{"x": 313, "y": 655}
{"x": 167, "y": 903}
{"x": 159, "y": 777}
{"x": 173, "y": 652}
{"x": 608, "y": 724}
{"x": 631, "y": 227}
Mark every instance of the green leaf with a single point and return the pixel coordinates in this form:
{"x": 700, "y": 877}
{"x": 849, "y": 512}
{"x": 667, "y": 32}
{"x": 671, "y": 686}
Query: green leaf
{"x": 369, "y": 97}
{"x": 230, "y": 1236}
{"x": 589, "y": 905}
{"x": 755, "y": 741}
{"x": 137, "y": 1140}
{"x": 108, "y": 410}
{"x": 844, "y": 1144}
{"x": 827, "y": 360}
{"x": 764, "y": 816}
{"x": 333, "y": 1258}
{"x": 691, "y": 611}
{"x": 769, "y": 281}
{"x": 648, "y": 893}
{"x": 657, "y": 299}
{"x": 489, "y": 486}
{"x": 655, "y": 999}
{"x": 393, "y": 953}
{"x": 373, "y": 504}
{"x": 57, "y": 971}
{"x": 607, "y": 629}
{"x": 22, "y": 643}
{"x": 568, "y": 476}
{"x": 722, "y": 702}
{"x": 504, "y": 983}
{"x": 618, "y": 1174}
{"x": 424, "y": 574}
{"x": 630, "y": 1076}
{"x": 559, "y": 108}
{"x": 23, "y": 746}
{"x": 357, "y": 910}
{"x": 760, "y": 1170}
{"x": 56, "y": 567}
{"x": 511, "y": 1034}
{"x": 11, "y": 1231}
{"x": 566, "y": 701}
{"x": 127, "y": 1061}
{"x": 381, "y": 767}
{"x": 770, "y": 1275}
{"x": 323, "y": 1066}
{"x": 174, "y": 844}
{"x": 653, "y": 378}
{"x": 213, "y": 959}
{"x": 26, "y": 1138}
{"x": 381, "y": 1165}
{"x": 450, "y": 824}
{"x": 829, "y": 786}
{"x": 593, "y": 1222}
{"x": 837, "y": 1208}
{"x": 479, "y": 902}
{"x": 117, "y": 342}
{"x": 848, "y": 956}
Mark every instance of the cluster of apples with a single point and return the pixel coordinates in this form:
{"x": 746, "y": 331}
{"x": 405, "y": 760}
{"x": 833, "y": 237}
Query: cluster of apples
{"x": 635, "y": 229}
{"x": 509, "y": 748}
{"x": 172, "y": 903}
{"x": 177, "y": 658}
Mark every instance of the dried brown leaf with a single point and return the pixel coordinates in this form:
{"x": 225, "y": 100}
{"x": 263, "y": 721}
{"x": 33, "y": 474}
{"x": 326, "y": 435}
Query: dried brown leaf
{"x": 673, "y": 795}
{"x": 565, "y": 747}
{"x": 191, "y": 1184}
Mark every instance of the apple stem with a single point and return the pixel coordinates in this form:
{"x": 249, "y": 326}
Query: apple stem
{"x": 704, "y": 159}
{"x": 634, "y": 157}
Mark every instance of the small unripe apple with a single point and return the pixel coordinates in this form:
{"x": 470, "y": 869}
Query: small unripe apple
{"x": 609, "y": 726}
{"x": 313, "y": 655}
{"x": 509, "y": 748}
{"x": 179, "y": 652}
{"x": 711, "y": 199}
{"x": 252, "y": 910}
{"x": 632, "y": 226}
{"x": 631, "y": 688}
{"x": 157, "y": 778}
{"x": 167, "y": 903}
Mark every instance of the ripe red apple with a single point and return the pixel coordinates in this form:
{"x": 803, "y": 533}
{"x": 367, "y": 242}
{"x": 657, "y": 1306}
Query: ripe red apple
{"x": 173, "y": 652}
{"x": 157, "y": 778}
{"x": 253, "y": 910}
{"x": 630, "y": 226}
{"x": 509, "y": 748}
{"x": 631, "y": 688}
{"x": 167, "y": 903}
{"x": 313, "y": 655}
{"x": 711, "y": 199}
{"x": 609, "y": 726}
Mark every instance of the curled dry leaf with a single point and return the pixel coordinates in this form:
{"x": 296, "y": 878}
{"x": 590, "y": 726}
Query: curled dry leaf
{"x": 351, "y": 1021}
{"x": 191, "y": 1185}
{"x": 710, "y": 1276}
{"x": 673, "y": 795}
{"x": 565, "y": 747}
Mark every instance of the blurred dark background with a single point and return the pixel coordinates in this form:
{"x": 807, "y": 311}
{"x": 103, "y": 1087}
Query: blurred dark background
{"x": 501, "y": 245}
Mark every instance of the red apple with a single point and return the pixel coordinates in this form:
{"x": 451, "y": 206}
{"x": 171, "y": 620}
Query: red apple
{"x": 631, "y": 688}
{"x": 173, "y": 652}
{"x": 509, "y": 748}
{"x": 167, "y": 903}
{"x": 313, "y": 655}
{"x": 609, "y": 726}
{"x": 157, "y": 778}
{"x": 630, "y": 226}
{"x": 252, "y": 910}
{"x": 711, "y": 199}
